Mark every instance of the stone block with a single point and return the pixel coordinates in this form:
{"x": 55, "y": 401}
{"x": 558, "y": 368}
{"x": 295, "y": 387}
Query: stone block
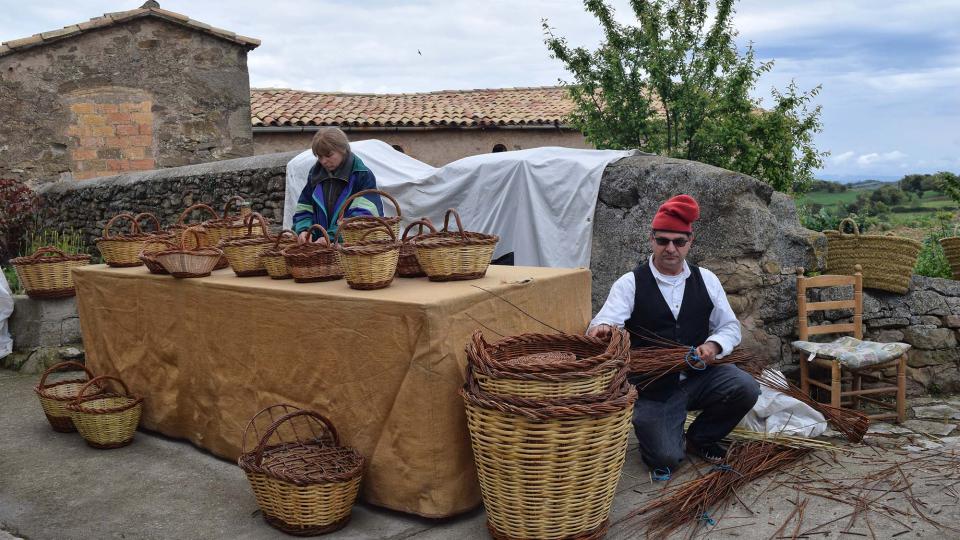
{"x": 887, "y": 322}
{"x": 920, "y": 358}
{"x": 44, "y": 323}
{"x": 890, "y": 336}
{"x": 929, "y": 337}
{"x": 82, "y": 108}
{"x": 951, "y": 321}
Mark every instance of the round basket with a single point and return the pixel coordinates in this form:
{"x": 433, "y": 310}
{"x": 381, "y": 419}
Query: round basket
{"x": 548, "y": 471}
{"x": 408, "y": 266}
{"x": 47, "y": 273}
{"x": 313, "y": 261}
{"x": 55, "y": 396}
{"x": 305, "y": 483}
{"x": 106, "y": 420}
{"x": 181, "y": 225}
{"x": 122, "y": 250}
{"x": 183, "y": 262}
{"x": 244, "y": 252}
{"x": 887, "y": 260}
{"x": 154, "y": 242}
{"x": 951, "y": 249}
{"x": 273, "y": 259}
{"x": 550, "y": 366}
{"x": 229, "y": 226}
{"x": 355, "y": 229}
{"x": 370, "y": 264}
{"x": 450, "y": 256}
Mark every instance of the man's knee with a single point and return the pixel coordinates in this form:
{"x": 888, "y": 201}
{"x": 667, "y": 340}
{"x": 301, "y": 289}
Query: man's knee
{"x": 739, "y": 386}
{"x": 662, "y": 458}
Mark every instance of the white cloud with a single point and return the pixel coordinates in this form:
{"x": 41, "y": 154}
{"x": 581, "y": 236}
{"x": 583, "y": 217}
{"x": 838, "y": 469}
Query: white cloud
{"x": 874, "y": 158}
{"x": 842, "y": 158}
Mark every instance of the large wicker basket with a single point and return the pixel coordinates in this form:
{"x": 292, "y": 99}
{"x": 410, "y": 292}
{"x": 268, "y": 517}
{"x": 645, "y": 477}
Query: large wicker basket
{"x": 107, "y": 420}
{"x": 272, "y": 257}
{"x": 155, "y": 241}
{"x": 356, "y": 229}
{"x": 244, "y": 252}
{"x": 313, "y": 261}
{"x": 887, "y": 260}
{"x": 951, "y": 249}
{"x": 548, "y": 470}
{"x": 47, "y": 273}
{"x": 370, "y": 264}
{"x": 207, "y": 237}
{"x": 408, "y": 266}
{"x": 449, "y": 256}
{"x": 122, "y": 250}
{"x": 304, "y": 481}
{"x": 55, "y": 396}
{"x": 229, "y": 226}
{"x": 184, "y": 262}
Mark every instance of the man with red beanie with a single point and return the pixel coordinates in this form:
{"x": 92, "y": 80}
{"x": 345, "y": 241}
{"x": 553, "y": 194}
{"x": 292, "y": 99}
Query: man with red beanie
{"x": 666, "y": 299}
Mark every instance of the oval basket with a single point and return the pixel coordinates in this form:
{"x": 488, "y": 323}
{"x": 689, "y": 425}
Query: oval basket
{"x": 55, "y": 396}
{"x": 408, "y": 266}
{"x": 122, "y": 250}
{"x": 47, "y": 273}
{"x": 305, "y": 483}
{"x": 181, "y": 225}
{"x": 107, "y": 420}
{"x": 355, "y": 229}
{"x": 244, "y": 252}
{"x": 313, "y": 261}
{"x": 272, "y": 257}
{"x": 451, "y": 256}
{"x": 183, "y": 262}
{"x": 887, "y": 260}
{"x": 370, "y": 264}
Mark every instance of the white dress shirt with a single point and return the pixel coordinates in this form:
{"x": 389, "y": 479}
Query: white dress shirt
{"x": 724, "y": 327}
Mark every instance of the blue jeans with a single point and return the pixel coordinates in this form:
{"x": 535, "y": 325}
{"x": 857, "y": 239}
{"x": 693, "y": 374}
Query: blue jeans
{"x": 724, "y": 393}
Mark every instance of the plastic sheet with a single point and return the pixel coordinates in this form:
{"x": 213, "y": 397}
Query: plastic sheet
{"x": 776, "y": 412}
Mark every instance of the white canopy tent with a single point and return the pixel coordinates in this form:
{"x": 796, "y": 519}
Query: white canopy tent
{"x": 539, "y": 201}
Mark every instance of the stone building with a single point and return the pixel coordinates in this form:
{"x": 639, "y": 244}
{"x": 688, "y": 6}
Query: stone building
{"x": 132, "y": 90}
{"x": 434, "y": 127}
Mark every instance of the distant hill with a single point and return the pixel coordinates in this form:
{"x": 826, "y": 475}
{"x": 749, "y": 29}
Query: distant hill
{"x": 854, "y": 178}
{"x": 870, "y": 184}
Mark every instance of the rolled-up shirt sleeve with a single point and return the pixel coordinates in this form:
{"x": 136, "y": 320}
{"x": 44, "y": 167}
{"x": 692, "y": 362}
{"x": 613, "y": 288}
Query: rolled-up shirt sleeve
{"x": 724, "y": 326}
{"x": 619, "y": 305}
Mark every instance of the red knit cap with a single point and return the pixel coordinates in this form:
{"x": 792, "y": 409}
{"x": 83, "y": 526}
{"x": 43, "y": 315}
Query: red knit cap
{"x": 677, "y": 214}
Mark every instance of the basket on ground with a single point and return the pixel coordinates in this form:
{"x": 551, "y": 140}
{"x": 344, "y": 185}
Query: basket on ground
{"x": 449, "y": 256}
{"x": 304, "y": 481}
{"x": 244, "y": 252}
{"x": 122, "y": 250}
{"x": 55, "y": 396}
{"x": 313, "y": 261}
{"x": 370, "y": 264}
{"x": 272, "y": 257}
{"x": 184, "y": 262}
{"x": 106, "y": 420}
{"x": 356, "y": 228}
{"x": 408, "y": 266}
{"x": 887, "y": 260}
{"x": 951, "y": 249}
{"x": 548, "y": 470}
{"x": 47, "y": 273}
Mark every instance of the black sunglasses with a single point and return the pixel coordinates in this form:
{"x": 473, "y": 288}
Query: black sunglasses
{"x": 678, "y": 242}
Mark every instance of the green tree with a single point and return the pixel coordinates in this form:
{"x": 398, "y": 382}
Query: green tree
{"x": 676, "y": 84}
{"x": 949, "y": 184}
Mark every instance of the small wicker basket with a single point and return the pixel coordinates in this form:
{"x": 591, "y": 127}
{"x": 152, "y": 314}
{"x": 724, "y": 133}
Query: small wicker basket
{"x": 887, "y": 260}
{"x": 244, "y": 252}
{"x": 183, "y": 262}
{"x": 181, "y": 225}
{"x": 304, "y": 481}
{"x": 370, "y": 264}
{"x": 408, "y": 266}
{"x": 313, "y": 261}
{"x": 122, "y": 250}
{"x": 55, "y": 396}
{"x": 229, "y": 226}
{"x": 154, "y": 242}
{"x": 356, "y": 228}
{"x": 107, "y": 420}
{"x": 47, "y": 273}
{"x": 273, "y": 259}
{"x": 450, "y": 256}
{"x": 951, "y": 249}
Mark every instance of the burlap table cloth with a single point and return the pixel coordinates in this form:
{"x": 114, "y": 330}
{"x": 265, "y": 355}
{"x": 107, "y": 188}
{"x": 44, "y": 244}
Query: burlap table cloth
{"x": 383, "y": 365}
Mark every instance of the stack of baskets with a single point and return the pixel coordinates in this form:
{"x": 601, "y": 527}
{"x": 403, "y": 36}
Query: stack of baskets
{"x": 313, "y": 261}
{"x": 887, "y": 260}
{"x": 370, "y": 264}
{"x": 548, "y": 417}
{"x": 47, "y": 273}
{"x": 449, "y": 256}
{"x": 304, "y": 481}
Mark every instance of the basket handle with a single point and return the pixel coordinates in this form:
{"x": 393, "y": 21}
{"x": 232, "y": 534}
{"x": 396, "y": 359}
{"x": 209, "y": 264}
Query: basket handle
{"x": 253, "y": 421}
{"x": 229, "y": 205}
{"x": 195, "y": 231}
{"x": 286, "y": 418}
{"x": 248, "y": 221}
{"x": 380, "y": 223}
{"x": 101, "y": 378}
{"x": 48, "y": 250}
{"x": 151, "y": 217}
{"x": 199, "y": 206}
{"x": 346, "y": 203}
{"x": 324, "y": 234}
{"x": 456, "y": 216}
{"x": 127, "y": 215}
{"x": 281, "y": 234}
{"x": 421, "y": 222}
{"x": 61, "y": 367}
{"x": 850, "y": 221}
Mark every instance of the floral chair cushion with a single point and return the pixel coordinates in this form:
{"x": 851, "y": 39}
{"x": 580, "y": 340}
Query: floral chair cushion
{"x": 852, "y": 352}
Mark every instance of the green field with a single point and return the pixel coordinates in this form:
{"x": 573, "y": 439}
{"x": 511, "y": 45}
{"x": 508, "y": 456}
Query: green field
{"x": 930, "y": 202}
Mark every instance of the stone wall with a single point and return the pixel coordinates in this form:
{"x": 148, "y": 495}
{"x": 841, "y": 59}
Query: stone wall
{"x": 65, "y": 113}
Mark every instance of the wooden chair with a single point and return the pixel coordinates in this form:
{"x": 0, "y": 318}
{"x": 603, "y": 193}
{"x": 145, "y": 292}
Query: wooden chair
{"x": 860, "y": 359}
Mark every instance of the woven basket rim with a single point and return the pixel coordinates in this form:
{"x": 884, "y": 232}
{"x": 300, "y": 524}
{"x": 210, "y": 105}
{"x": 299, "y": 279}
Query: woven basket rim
{"x": 77, "y": 404}
{"x": 350, "y": 457}
{"x": 369, "y": 247}
{"x": 43, "y": 391}
{"x": 616, "y": 348}
{"x": 453, "y": 239}
{"x": 32, "y": 259}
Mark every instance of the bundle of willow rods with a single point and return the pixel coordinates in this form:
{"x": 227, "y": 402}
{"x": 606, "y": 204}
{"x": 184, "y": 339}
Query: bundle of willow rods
{"x": 692, "y": 501}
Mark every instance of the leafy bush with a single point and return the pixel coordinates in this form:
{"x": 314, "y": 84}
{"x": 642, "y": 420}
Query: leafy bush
{"x": 931, "y": 261}
{"x": 12, "y": 279}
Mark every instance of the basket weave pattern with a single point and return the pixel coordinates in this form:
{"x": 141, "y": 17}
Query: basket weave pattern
{"x": 55, "y": 396}
{"x": 951, "y": 249}
{"x": 107, "y": 420}
{"x": 244, "y": 252}
{"x": 355, "y": 229}
{"x": 310, "y": 261}
{"x": 272, "y": 257}
{"x": 47, "y": 273}
{"x": 408, "y": 266}
{"x": 451, "y": 256}
{"x": 367, "y": 264}
{"x": 887, "y": 261}
{"x": 122, "y": 250}
{"x": 190, "y": 263}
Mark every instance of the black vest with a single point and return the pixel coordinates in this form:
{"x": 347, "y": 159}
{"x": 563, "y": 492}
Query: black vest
{"x": 652, "y": 315}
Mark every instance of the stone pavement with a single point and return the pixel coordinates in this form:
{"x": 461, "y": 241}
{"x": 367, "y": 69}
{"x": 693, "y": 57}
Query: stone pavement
{"x": 52, "y": 486}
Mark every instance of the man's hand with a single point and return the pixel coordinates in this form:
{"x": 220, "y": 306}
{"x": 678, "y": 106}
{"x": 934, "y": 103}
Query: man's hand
{"x": 601, "y": 331}
{"x": 708, "y": 351}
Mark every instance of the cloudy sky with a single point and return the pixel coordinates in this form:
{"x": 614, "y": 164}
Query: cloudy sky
{"x": 890, "y": 70}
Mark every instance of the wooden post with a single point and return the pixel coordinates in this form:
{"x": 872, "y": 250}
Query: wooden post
{"x": 858, "y": 302}
{"x": 835, "y": 387}
{"x": 802, "y": 330}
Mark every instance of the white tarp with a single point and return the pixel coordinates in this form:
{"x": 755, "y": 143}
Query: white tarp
{"x": 6, "y": 309}
{"x": 540, "y": 202}
{"x": 776, "y": 412}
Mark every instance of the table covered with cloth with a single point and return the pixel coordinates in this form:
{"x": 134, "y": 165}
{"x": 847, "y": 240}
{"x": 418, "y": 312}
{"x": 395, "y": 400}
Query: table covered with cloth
{"x": 383, "y": 365}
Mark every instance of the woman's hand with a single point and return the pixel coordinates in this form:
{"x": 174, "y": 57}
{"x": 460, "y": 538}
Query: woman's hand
{"x": 304, "y": 236}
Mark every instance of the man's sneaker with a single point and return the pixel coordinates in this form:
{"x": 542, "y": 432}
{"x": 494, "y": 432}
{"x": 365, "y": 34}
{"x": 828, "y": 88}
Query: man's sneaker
{"x": 710, "y": 452}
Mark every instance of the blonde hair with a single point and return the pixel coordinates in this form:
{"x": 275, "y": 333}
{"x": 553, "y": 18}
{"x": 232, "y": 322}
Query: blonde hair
{"x": 328, "y": 140}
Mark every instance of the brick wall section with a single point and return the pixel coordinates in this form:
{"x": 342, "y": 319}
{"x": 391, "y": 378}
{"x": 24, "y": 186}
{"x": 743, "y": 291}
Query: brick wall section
{"x": 110, "y": 133}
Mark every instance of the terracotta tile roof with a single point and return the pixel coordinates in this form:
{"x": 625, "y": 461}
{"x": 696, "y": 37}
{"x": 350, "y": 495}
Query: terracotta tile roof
{"x": 149, "y": 9}
{"x": 462, "y": 108}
